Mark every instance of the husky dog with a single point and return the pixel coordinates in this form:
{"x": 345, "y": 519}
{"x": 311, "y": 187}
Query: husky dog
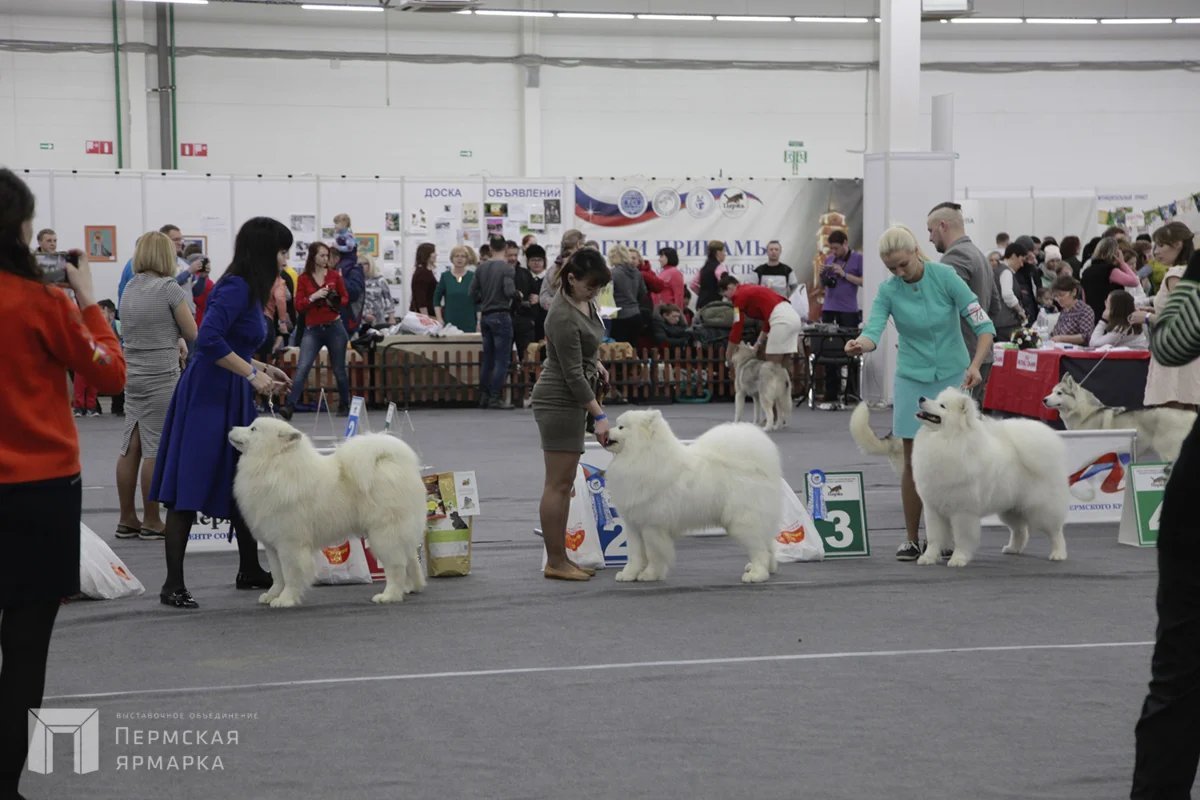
{"x": 1159, "y": 429}
{"x": 768, "y": 385}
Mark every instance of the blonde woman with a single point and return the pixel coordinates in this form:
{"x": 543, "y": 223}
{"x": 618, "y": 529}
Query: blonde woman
{"x": 155, "y": 321}
{"x": 925, "y": 301}
{"x": 452, "y": 301}
{"x": 629, "y": 290}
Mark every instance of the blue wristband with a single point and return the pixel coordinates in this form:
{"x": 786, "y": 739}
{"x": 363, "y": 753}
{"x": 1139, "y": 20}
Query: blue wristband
{"x": 600, "y": 417}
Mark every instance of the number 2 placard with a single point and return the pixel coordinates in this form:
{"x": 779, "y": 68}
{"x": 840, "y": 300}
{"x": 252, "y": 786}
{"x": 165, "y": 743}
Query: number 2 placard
{"x": 844, "y": 527}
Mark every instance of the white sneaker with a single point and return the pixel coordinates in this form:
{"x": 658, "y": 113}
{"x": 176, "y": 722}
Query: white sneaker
{"x": 834, "y": 406}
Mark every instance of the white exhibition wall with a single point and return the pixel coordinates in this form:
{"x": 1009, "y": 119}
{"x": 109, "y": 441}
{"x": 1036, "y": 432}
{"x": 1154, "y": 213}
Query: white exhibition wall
{"x": 1048, "y": 129}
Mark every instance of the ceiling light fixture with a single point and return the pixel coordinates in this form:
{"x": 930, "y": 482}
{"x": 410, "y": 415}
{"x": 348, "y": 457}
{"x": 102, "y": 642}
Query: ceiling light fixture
{"x": 318, "y": 7}
{"x": 831, "y": 19}
{"x": 592, "y": 15}
{"x": 987, "y": 20}
{"x": 677, "y": 17}
{"x": 1187, "y": 21}
{"x": 496, "y": 12}
{"x": 745, "y": 18}
{"x": 1136, "y": 21}
{"x": 177, "y": 2}
{"x": 1061, "y": 21}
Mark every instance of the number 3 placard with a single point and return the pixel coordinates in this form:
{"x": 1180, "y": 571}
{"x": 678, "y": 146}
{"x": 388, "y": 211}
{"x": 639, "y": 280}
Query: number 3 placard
{"x": 844, "y": 527}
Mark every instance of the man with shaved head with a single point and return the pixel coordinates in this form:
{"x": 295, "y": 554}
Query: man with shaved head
{"x": 949, "y": 235}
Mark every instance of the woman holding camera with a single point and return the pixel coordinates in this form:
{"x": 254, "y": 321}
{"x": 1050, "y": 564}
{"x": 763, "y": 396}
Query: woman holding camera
{"x": 319, "y": 295}
{"x": 40, "y": 492}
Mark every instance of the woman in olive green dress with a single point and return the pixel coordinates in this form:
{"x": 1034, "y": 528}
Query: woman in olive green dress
{"x": 565, "y": 396}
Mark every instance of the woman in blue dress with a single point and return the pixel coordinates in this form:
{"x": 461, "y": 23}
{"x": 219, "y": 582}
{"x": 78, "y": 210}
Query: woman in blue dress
{"x": 924, "y": 300}
{"x": 216, "y": 392}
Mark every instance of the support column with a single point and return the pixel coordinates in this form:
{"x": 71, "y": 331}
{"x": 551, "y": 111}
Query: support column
{"x": 162, "y": 53}
{"x": 133, "y": 90}
{"x": 531, "y": 124}
{"x": 902, "y": 180}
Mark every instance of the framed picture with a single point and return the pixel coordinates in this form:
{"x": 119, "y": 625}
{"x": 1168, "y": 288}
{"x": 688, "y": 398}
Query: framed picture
{"x": 368, "y": 244}
{"x": 100, "y": 241}
{"x": 201, "y": 241}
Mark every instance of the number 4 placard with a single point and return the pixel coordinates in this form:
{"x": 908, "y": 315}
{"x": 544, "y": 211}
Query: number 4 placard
{"x": 1144, "y": 492}
{"x": 843, "y": 522}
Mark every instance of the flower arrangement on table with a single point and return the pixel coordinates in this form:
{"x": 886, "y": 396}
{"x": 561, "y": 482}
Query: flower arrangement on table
{"x": 1026, "y": 339}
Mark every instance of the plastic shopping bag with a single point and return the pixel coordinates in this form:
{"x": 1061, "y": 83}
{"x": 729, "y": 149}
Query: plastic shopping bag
{"x": 103, "y": 576}
{"x": 342, "y": 564}
{"x": 799, "y": 301}
{"x": 412, "y": 322}
{"x": 798, "y": 539}
{"x": 583, "y": 539}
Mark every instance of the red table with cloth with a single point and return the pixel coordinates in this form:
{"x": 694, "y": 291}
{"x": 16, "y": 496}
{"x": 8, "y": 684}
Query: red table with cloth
{"x": 1021, "y": 378}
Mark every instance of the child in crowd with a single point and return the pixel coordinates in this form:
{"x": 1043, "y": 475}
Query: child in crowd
{"x": 344, "y": 241}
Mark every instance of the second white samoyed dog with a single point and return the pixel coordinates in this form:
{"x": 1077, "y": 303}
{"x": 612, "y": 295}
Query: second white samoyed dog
{"x": 297, "y": 501}
{"x": 967, "y": 467}
{"x": 729, "y": 478}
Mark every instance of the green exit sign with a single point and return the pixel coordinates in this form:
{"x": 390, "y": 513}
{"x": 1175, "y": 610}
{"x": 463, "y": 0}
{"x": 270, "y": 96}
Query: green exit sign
{"x": 46, "y": 145}
{"x": 795, "y": 144}
{"x": 465, "y": 154}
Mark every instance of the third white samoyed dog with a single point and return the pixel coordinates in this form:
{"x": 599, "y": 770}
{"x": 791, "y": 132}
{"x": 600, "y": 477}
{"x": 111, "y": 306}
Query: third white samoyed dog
{"x": 297, "y": 501}
{"x": 730, "y": 478}
{"x": 967, "y": 467}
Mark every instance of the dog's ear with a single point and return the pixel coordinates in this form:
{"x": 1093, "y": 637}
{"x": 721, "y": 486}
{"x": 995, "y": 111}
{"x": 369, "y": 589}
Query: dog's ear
{"x": 290, "y": 437}
{"x": 656, "y": 415}
{"x": 1068, "y": 381}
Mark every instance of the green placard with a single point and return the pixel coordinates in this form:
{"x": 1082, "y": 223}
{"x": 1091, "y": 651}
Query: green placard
{"x": 46, "y": 145}
{"x": 843, "y": 531}
{"x": 1145, "y": 486}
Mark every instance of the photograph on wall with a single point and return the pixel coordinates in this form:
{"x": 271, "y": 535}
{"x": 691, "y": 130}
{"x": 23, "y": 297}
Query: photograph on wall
{"x": 304, "y": 224}
{"x": 328, "y": 234}
{"x": 537, "y": 216}
{"x": 470, "y": 213}
{"x": 418, "y": 221}
{"x": 101, "y": 242}
{"x": 391, "y": 220}
{"x": 391, "y": 250}
{"x": 301, "y": 252}
{"x": 495, "y": 209}
{"x": 199, "y": 241}
{"x": 495, "y": 226}
{"x": 473, "y": 238}
{"x": 553, "y": 210}
{"x": 368, "y": 244}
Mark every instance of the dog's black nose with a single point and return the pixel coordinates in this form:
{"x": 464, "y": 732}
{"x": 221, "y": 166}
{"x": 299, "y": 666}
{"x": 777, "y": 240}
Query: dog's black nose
{"x": 922, "y": 400}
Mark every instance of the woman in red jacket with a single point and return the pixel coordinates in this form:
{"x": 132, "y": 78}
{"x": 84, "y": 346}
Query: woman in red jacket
{"x": 40, "y": 492}
{"x": 320, "y": 293}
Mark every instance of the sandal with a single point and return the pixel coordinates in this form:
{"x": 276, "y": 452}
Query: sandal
{"x": 149, "y": 534}
{"x": 127, "y": 532}
{"x": 557, "y": 575}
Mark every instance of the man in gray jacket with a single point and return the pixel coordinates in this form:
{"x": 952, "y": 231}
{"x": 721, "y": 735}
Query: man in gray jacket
{"x": 493, "y": 291}
{"x": 949, "y": 235}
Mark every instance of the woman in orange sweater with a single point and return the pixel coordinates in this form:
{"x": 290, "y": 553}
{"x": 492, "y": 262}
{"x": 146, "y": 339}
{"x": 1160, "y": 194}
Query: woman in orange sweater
{"x": 40, "y": 492}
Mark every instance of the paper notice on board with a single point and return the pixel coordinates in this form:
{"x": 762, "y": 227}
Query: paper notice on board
{"x": 445, "y": 235}
{"x": 467, "y": 490}
{"x": 518, "y": 212}
{"x": 214, "y": 224}
{"x": 417, "y": 221}
{"x": 512, "y": 231}
{"x": 537, "y": 216}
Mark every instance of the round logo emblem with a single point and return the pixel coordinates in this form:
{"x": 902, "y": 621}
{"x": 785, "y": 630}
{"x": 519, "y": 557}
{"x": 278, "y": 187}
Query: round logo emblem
{"x": 733, "y": 202}
{"x": 816, "y": 478}
{"x": 633, "y": 203}
{"x": 700, "y": 203}
{"x": 666, "y": 202}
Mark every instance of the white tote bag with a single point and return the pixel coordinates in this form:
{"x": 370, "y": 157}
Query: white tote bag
{"x": 798, "y": 539}
{"x": 103, "y": 576}
{"x": 342, "y": 564}
{"x": 799, "y": 301}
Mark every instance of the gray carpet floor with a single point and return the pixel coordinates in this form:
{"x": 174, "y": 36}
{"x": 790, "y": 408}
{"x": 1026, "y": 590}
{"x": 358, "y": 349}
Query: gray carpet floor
{"x": 868, "y": 678}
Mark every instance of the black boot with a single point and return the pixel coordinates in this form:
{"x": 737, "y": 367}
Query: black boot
{"x": 485, "y": 398}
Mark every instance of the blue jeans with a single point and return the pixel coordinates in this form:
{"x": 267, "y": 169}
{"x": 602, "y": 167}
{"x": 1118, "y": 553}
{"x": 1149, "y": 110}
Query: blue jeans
{"x": 497, "y": 330}
{"x": 331, "y": 335}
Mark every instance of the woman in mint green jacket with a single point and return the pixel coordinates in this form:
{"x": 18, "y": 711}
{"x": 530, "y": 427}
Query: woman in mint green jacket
{"x": 925, "y": 301}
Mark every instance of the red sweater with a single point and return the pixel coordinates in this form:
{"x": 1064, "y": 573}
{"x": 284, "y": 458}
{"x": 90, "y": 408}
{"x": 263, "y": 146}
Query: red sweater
{"x": 44, "y": 335}
{"x": 672, "y": 280}
{"x": 654, "y": 284}
{"x": 753, "y": 301}
{"x": 318, "y": 313}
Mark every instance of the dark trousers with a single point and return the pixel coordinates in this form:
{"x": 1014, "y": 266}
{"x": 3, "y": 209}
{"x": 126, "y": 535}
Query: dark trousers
{"x": 524, "y": 334}
{"x": 1168, "y": 732}
{"x": 627, "y": 329}
{"x": 833, "y": 375}
{"x": 24, "y": 644}
{"x": 331, "y": 335}
{"x": 496, "y": 328}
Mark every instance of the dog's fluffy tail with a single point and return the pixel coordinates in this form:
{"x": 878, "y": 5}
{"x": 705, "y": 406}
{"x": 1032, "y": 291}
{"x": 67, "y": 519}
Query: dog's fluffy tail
{"x": 378, "y": 457}
{"x": 864, "y": 437}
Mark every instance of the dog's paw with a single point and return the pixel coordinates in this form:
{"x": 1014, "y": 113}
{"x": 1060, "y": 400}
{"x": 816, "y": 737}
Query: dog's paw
{"x": 930, "y": 556}
{"x": 388, "y": 597}
{"x": 1009, "y": 550}
{"x": 285, "y": 601}
{"x": 266, "y": 597}
{"x": 626, "y": 575}
{"x": 1058, "y": 555}
{"x": 649, "y": 575}
{"x": 958, "y": 560}
{"x": 755, "y": 574}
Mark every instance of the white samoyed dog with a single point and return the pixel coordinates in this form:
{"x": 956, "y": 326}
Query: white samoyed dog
{"x": 967, "y": 467}
{"x": 297, "y": 501}
{"x": 729, "y": 478}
